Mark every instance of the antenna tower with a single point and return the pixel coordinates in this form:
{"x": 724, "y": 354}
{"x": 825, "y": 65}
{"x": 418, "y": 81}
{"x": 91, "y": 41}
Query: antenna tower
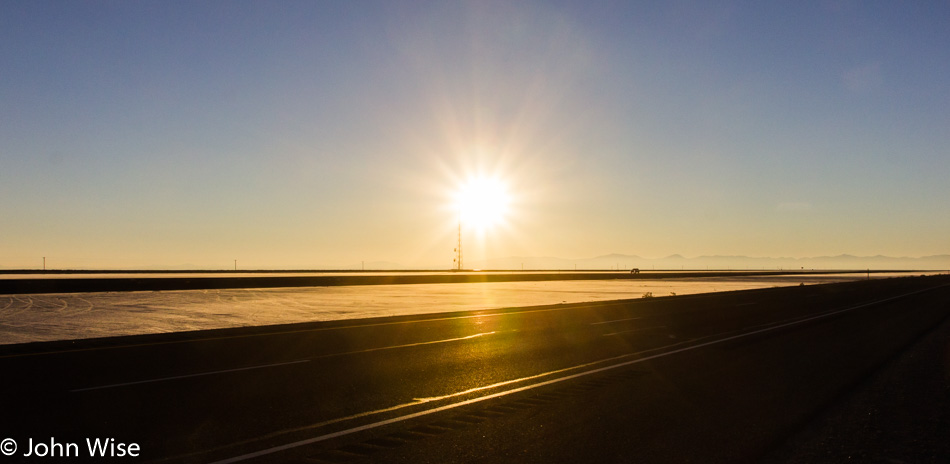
{"x": 458, "y": 250}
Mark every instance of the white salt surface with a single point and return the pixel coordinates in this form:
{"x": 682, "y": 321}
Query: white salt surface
{"x": 66, "y": 316}
{"x": 146, "y": 275}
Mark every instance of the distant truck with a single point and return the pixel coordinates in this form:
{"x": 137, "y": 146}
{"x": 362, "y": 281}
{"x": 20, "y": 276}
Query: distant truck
{"x": 635, "y": 270}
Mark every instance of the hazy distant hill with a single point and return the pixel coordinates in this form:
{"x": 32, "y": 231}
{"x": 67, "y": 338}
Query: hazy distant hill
{"x": 621, "y": 261}
{"x": 626, "y": 262}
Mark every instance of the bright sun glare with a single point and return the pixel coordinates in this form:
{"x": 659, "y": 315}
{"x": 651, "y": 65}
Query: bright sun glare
{"x": 483, "y": 202}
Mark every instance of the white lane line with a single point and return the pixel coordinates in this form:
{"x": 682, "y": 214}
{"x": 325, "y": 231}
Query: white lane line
{"x": 125, "y": 384}
{"x": 368, "y": 350}
{"x": 406, "y": 417}
{"x": 634, "y": 330}
{"x": 615, "y": 320}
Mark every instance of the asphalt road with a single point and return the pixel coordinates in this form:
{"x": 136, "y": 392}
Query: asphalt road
{"x": 704, "y": 378}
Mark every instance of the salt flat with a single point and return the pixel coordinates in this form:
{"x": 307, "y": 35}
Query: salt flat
{"x": 46, "y": 317}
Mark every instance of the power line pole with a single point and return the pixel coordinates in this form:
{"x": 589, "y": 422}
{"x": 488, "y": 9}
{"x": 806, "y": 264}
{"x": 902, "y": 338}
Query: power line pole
{"x": 458, "y": 249}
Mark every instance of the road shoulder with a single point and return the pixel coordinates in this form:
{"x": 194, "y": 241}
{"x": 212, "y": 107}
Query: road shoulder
{"x": 900, "y": 414}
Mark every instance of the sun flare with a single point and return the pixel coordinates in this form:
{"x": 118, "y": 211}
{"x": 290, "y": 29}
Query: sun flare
{"x": 483, "y": 202}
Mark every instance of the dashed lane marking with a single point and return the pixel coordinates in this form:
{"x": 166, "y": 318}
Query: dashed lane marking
{"x": 635, "y": 330}
{"x": 615, "y": 320}
{"x": 225, "y": 371}
{"x": 200, "y": 374}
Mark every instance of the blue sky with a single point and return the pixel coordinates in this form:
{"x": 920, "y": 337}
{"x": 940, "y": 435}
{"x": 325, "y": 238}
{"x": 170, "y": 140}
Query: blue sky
{"x": 306, "y": 134}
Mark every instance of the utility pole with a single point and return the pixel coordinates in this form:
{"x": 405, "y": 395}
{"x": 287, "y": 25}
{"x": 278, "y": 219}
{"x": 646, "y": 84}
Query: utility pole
{"x": 44, "y": 264}
{"x": 458, "y": 248}
{"x": 235, "y": 265}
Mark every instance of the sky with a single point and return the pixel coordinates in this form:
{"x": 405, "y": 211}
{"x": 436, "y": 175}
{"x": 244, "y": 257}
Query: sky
{"x": 287, "y": 134}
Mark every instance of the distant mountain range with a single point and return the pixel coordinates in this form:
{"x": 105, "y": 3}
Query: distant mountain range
{"x": 623, "y": 262}
{"x": 626, "y": 262}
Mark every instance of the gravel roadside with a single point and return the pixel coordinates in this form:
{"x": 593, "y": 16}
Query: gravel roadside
{"x": 901, "y": 414}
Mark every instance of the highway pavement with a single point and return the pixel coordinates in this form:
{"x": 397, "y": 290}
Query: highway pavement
{"x": 726, "y": 377}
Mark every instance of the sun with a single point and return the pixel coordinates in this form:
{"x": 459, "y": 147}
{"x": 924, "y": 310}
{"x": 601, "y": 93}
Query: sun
{"x": 483, "y": 202}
